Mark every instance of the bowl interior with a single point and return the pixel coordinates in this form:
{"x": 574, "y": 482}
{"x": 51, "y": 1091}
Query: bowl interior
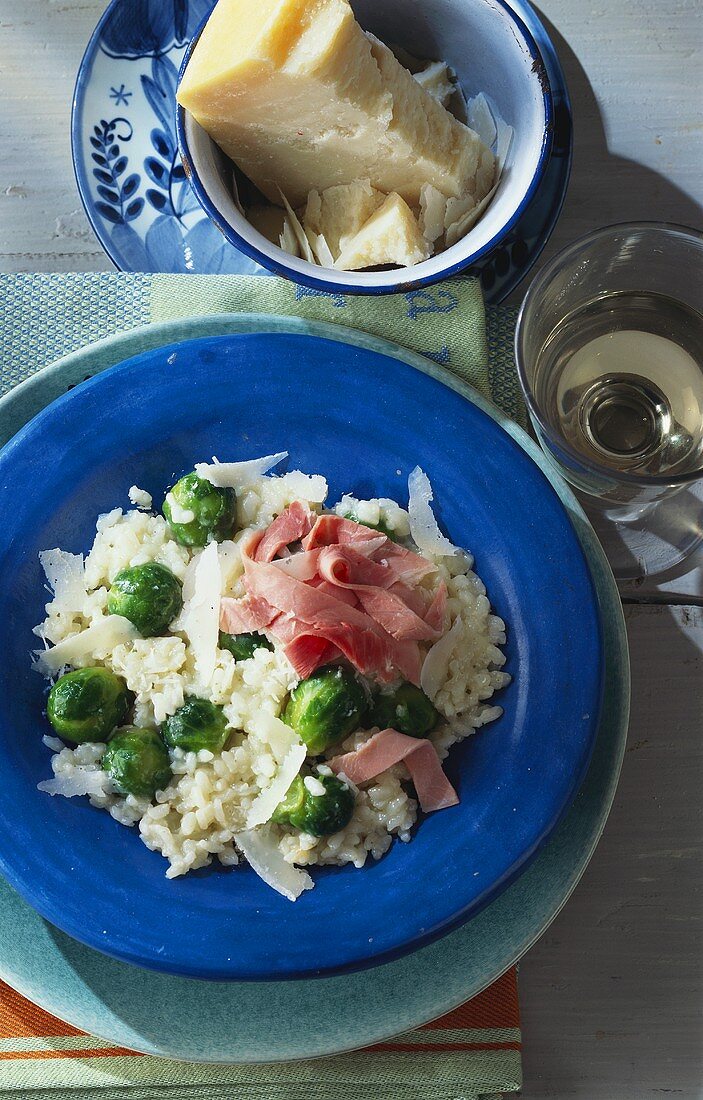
{"x": 492, "y": 52}
{"x": 145, "y": 422}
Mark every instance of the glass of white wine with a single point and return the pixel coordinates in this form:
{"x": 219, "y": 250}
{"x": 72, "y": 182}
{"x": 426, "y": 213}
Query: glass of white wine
{"x": 609, "y": 349}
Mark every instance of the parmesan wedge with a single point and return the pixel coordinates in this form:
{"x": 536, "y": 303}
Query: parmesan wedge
{"x": 390, "y": 236}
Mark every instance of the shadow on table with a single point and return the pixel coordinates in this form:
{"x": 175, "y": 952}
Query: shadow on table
{"x": 605, "y": 188}
{"x": 611, "y": 995}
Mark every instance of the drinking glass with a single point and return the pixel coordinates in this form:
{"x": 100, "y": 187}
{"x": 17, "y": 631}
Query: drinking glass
{"x": 609, "y": 350}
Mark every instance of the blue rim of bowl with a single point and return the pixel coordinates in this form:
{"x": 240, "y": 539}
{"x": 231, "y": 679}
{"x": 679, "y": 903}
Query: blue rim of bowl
{"x": 406, "y": 285}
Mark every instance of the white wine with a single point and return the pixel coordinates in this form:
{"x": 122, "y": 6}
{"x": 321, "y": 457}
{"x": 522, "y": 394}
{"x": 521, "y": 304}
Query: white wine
{"x": 620, "y": 379}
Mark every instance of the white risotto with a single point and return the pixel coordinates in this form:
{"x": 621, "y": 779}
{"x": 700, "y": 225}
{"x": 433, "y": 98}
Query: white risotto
{"x": 209, "y": 807}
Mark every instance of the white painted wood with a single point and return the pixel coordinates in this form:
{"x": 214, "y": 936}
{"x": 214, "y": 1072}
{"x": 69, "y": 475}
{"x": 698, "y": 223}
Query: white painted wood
{"x": 633, "y": 67}
{"x": 611, "y": 995}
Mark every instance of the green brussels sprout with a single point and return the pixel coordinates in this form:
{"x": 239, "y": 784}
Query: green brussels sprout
{"x": 326, "y": 707}
{"x": 137, "y": 762}
{"x": 148, "y": 595}
{"x": 243, "y": 646}
{"x": 382, "y": 527}
{"x": 406, "y": 709}
{"x": 319, "y": 812}
{"x": 198, "y": 724}
{"x": 87, "y": 705}
{"x": 213, "y": 511}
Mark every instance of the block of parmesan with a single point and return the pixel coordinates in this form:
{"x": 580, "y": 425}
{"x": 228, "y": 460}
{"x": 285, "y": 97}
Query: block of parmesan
{"x": 302, "y": 99}
{"x": 390, "y": 236}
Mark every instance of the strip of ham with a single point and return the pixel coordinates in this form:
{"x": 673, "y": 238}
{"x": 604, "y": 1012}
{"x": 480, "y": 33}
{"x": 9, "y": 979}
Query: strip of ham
{"x": 388, "y": 747}
{"x": 356, "y": 598}
{"x": 248, "y": 615}
{"x": 291, "y": 526}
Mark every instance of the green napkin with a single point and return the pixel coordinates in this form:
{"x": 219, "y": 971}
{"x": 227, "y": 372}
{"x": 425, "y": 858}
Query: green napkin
{"x": 46, "y": 316}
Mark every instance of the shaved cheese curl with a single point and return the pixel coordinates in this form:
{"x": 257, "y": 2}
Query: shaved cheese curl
{"x": 423, "y": 526}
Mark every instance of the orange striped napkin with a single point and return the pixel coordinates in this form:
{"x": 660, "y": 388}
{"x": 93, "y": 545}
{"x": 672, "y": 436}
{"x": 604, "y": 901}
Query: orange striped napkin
{"x": 469, "y": 1053}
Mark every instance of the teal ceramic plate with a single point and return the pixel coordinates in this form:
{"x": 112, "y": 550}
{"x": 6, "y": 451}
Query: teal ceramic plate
{"x": 280, "y": 1021}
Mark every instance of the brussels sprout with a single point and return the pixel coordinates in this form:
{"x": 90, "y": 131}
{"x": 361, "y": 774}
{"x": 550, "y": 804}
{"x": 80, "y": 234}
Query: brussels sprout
{"x": 198, "y": 511}
{"x": 326, "y": 707}
{"x": 319, "y": 805}
{"x": 406, "y": 709}
{"x": 148, "y": 595}
{"x": 198, "y": 724}
{"x": 137, "y": 762}
{"x": 382, "y": 527}
{"x": 243, "y": 646}
{"x": 87, "y": 705}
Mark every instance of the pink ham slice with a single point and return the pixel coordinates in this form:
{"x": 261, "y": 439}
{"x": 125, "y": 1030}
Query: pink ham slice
{"x": 355, "y": 634}
{"x": 345, "y": 568}
{"x": 346, "y": 598}
{"x": 250, "y": 614}
{"x": 331, "y": 530}
{"x": 383, "y": 750}
{"x": 291, "y": 526}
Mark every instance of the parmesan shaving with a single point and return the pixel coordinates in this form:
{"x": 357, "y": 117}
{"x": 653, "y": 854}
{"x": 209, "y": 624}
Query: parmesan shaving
{"x": 262, "y": 854}
{"x": 461, "y": 227}
{"x": 435, "y": 667}
{"x": 423, "y": 526}
{"x": 200, "y": 618}
{"x": 274, "y": 734}
{"x": 230, "y": 557}
{"x": 287, "y": 240}
{"x": 233, "y": 475}
{"x": 303, "y": 243}
{"x": 320, "y": 248}
{"x": 264, "y": 804}
{"x": 97, "y": 641}
{"x": 433, "y": 206}
{"x": 480, "y": 119}
{"x": 82, "y": 780}
{"x": 503, "y": 142}
{"x": 66, "y": 574}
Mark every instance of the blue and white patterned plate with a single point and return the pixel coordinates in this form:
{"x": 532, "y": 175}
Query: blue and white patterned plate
{"x": 132, "y": 183}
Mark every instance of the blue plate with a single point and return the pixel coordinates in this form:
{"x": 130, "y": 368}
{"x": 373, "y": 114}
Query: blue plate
{"x": 245, "y": 1022}
{"x": 132, "y": 183}
{"x": 148, "y": 419}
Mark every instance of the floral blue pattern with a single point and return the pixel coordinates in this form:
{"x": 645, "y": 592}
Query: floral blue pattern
{"x": 139, "y": 189}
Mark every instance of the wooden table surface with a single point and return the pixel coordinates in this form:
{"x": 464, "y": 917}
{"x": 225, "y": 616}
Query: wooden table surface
{"x": 612, "y": 993}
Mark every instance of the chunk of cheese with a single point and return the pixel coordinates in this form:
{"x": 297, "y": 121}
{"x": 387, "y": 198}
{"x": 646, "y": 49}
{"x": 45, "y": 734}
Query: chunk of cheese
{"x": 390, "y": 236}
{"x": 338, "y": 213}
{"x": 301, "y": 99}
